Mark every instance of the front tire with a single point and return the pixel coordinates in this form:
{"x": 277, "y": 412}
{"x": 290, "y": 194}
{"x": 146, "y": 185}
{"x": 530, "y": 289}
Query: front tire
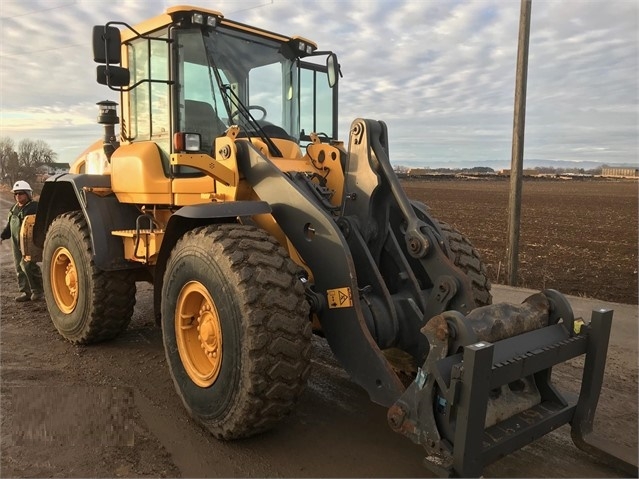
{"x": 236, "y": 328}
{"x": 464, "y": 255}
{"x": 466, "y": 258}
{"x": 86, "y": 304}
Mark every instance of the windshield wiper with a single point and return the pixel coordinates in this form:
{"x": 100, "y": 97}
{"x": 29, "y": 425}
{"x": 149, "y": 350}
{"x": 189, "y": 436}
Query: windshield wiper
{"x": 250, "y": 120}
{"x": 230, "y": 97}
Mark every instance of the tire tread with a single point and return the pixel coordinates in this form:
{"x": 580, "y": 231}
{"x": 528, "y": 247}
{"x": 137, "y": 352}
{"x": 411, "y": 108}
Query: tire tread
{"x": 466, "y": 257}
{"x": 112, "y": 298}
{"x": 276, "y": 347}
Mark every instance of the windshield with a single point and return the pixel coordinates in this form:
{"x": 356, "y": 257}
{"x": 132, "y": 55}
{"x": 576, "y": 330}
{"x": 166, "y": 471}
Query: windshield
{"x": 229, "y": 77}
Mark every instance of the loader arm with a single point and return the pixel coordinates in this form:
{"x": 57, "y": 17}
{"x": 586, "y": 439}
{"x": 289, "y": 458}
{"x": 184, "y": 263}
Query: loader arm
{"x": 374, "y": 196}
{"x": 380, "y": 270}
{"x": 406, "y": 273}
{"x": 313, "y": 231}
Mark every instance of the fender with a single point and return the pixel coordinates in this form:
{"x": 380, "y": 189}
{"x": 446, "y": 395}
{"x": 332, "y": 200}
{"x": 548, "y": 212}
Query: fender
{"x": 72, "y": 192}
{"x": 190, "y": 217}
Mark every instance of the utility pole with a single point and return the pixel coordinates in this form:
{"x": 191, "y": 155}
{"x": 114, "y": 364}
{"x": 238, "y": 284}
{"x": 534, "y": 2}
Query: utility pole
{"x": 517, "y": 160}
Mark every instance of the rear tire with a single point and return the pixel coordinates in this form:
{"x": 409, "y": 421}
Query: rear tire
{"x": 236, "y": 328}
{"x": 86, "y": 304}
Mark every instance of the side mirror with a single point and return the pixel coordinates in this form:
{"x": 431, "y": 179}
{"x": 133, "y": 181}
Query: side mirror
{"x": 332, "y": 68}
{"x": 106, "y": 44}
{"x": 113, "y": 76}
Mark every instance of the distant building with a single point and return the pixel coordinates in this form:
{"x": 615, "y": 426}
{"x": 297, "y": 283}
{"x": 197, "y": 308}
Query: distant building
{"x": 53, "y": 169}
{"x": 419, "y": 172}
{"x": 525, "y": 172}
{"x": 56, "y": 168}
{"x": 45, "y": 171}
{"x": 620, "y": 172}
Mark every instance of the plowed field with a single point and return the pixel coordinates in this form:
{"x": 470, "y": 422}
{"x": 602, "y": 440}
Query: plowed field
{"x": 577, "y": 236}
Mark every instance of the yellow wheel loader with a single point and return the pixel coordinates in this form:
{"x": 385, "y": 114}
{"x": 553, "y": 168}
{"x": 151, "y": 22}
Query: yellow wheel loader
{"x": 228, "y": 189}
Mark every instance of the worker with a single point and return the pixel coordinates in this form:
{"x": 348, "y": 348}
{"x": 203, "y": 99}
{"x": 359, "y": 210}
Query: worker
{"x": 29, "y": 274}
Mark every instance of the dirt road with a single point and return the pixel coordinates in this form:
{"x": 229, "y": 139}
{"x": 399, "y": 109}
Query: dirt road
{"x": 110, "y": 410}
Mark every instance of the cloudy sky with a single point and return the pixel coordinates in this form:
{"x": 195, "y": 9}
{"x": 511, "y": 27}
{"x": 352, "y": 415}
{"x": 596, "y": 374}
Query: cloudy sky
{"x": 440, "y": 73}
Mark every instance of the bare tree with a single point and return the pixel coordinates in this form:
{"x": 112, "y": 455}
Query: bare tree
{"x": 9, "y": 165}
{"x": 23, "y": 163}
{"x": 33, "y": 154}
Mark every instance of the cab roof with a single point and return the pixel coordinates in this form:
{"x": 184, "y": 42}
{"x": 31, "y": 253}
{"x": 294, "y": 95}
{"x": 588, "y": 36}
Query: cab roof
{"x": 178, "y": 13}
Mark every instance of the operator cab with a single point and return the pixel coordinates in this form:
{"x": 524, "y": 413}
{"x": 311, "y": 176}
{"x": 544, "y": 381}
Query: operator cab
{"x": 190, "y": 74}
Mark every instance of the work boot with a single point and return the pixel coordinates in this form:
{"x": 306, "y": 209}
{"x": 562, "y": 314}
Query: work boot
{"x": 23, "y": 297}
{"x": 36, "y": 296}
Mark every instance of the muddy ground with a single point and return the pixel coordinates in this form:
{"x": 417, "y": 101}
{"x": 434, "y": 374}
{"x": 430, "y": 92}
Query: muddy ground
{"x": 110, "y": 410}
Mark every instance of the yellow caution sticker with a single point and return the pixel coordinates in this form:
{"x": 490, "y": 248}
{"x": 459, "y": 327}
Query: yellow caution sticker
{"x": 340, "y": 298}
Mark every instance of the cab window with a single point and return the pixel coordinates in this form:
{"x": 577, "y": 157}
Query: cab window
{"x": 149, "y": 102}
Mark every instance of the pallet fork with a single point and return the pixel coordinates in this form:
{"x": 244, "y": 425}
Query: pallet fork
{"x": 446, "y": 408}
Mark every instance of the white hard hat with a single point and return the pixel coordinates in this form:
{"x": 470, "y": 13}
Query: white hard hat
{"x": 21, "y": 186}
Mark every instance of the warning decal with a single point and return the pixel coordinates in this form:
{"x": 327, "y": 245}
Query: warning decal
{"x": 339, "y": 298}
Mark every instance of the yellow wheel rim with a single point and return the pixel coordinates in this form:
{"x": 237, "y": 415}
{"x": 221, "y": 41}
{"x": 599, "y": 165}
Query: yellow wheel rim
{"x": 198, "y": 334}
{"x": 64, "y": 280}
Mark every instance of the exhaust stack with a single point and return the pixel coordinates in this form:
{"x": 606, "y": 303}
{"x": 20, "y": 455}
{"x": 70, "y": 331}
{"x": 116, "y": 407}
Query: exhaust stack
{"x": 108, "y": 117}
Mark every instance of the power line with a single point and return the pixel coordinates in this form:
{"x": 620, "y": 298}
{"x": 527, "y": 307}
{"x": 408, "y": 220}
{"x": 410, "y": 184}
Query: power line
{"x": 37, "y": 11}
{"x": 22, "y": 53}
{"x": 251, "y": 8}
